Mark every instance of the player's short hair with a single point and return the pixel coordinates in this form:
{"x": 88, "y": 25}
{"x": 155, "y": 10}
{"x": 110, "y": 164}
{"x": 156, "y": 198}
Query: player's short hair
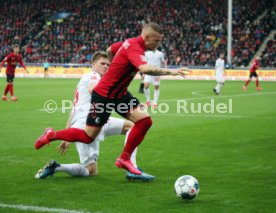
{"x": 153, "y": 26}
{"x": 97, "y": 55}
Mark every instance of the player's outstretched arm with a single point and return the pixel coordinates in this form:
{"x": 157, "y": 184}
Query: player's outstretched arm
{"x": 156, "y": 71}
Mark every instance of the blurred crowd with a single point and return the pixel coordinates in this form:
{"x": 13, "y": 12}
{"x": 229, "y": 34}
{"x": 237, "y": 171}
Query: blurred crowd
{"x": 195, "y": 32}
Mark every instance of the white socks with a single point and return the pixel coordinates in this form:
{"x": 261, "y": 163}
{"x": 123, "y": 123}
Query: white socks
{"x": 147, "y": 94}
{"x": 156, "y": 95}
{"x": 133, "y": 156}
{"x": 218, "y": 87}
{"x": 73, "y": 169}
{"x": 78, "y": 170}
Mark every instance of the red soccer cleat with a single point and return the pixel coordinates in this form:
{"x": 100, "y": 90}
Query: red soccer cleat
{"x": 148, "y": 103}
{"x": 4, "y": 98}
{"x": 126, "y": 164}
{"x": 258, "y": 88}
{"x": 14, "y": 98}
{"x": 43, "y": 139}
{"x": 244, "y": 88}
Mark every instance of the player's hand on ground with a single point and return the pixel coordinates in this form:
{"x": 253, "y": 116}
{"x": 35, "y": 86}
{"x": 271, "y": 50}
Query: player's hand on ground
{"x": 63, "y": 147}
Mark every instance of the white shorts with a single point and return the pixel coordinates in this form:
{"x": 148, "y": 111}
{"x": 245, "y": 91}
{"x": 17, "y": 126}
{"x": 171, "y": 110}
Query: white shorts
{"x": 219, "y": 78}
{"x": 89, "y": 153}
{"x": 155, "y": 80}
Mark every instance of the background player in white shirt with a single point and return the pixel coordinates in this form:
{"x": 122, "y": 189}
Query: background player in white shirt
{"x": 155, "y": 58}
{"x": 89, "y": 153}
{"x": 219, "y": 69}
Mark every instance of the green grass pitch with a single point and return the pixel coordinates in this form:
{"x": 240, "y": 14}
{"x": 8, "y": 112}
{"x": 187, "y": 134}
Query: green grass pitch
{"x": 233, "y": 155}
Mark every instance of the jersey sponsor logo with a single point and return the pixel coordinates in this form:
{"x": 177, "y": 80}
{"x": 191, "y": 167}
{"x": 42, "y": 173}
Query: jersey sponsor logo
{"x": 126, "y": 44}
{"x": 143, "y": 58}
{"x": 97, "y": 120}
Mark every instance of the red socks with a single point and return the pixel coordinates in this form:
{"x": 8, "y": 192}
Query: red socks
{"x": 11, "y": 89}
{"x": 257, "y": 82}
{"x": 136, "y": 136}
{"x": 247, "y": 82}
{"x": 7, "y": 89}
{"x": 70, "y": 135}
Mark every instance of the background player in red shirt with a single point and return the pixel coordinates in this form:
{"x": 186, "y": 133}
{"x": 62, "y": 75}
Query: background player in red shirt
{"x": 253, "y": 73}
{"x": 12, "y": 61}
{"x": 111, "y": 94}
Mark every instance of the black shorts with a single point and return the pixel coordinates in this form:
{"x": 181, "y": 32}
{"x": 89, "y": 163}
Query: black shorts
{"x": 10, "y": 78}
{"x": 102, "y": 107}
{"x": 253, "y": 74}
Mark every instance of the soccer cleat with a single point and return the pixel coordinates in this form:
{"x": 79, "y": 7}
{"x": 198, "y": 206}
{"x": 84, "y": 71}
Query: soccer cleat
{"x": 141, "y": 91}
{"x": 126, "y": 164}
{"x": 144, "y": 176}
{"x": 47, "y": 170}
{"x": 244, "y": 88}
{"x": 4, "y": 98}
{"x": 43, "y": 139}
{"x": 215, "y": 91}
{"x": 14, "y": 98}
{"x": 141, "y": 88}
{"x": 258, "y": 88}
{"x": 148, "y": 103}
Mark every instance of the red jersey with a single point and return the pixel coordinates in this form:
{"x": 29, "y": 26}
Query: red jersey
{"x": 254, "y": 66}
{"x": 12, "y": 61}
{"x": 124, "y": 66}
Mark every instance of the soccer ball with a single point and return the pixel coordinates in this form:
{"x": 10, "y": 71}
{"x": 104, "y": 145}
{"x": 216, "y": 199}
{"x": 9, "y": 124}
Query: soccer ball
{"x": 186, "y": 187}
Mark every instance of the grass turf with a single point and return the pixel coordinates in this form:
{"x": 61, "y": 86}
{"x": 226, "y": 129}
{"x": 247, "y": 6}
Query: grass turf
{"x": 231, "y": 154}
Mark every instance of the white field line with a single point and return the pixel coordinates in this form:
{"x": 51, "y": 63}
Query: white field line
{"x": 39, "y": 208}
{"x": 220, "y": 96}
{"x": 59, "y": 109}
{"x": 198, "y": 93}
{"x": 210, "y": 115}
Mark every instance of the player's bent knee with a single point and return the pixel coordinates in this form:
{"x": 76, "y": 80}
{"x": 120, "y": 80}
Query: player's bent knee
{"x": 138, "y": 114}
{"x": 92, "y": 131}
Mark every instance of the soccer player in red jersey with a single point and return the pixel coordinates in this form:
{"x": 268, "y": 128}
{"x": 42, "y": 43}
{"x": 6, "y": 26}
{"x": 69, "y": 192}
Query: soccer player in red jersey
{"x": 111, "y": 94}
{"x": 12, "y": 61}
{"x": 253, "y": 73}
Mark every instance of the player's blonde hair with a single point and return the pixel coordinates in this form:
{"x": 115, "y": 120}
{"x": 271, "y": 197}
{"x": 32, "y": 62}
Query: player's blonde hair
{"x": 155, "y": 27}
{"x": 97, "y": 55}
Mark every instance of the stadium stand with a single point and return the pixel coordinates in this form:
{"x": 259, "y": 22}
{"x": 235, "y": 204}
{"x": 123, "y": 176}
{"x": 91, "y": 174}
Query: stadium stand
{"x": 269, "y": 54}
{"x": 195, "y": 32}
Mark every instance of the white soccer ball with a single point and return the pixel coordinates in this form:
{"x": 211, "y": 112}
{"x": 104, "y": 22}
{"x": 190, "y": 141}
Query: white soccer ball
{"x": 186, "y": 187}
